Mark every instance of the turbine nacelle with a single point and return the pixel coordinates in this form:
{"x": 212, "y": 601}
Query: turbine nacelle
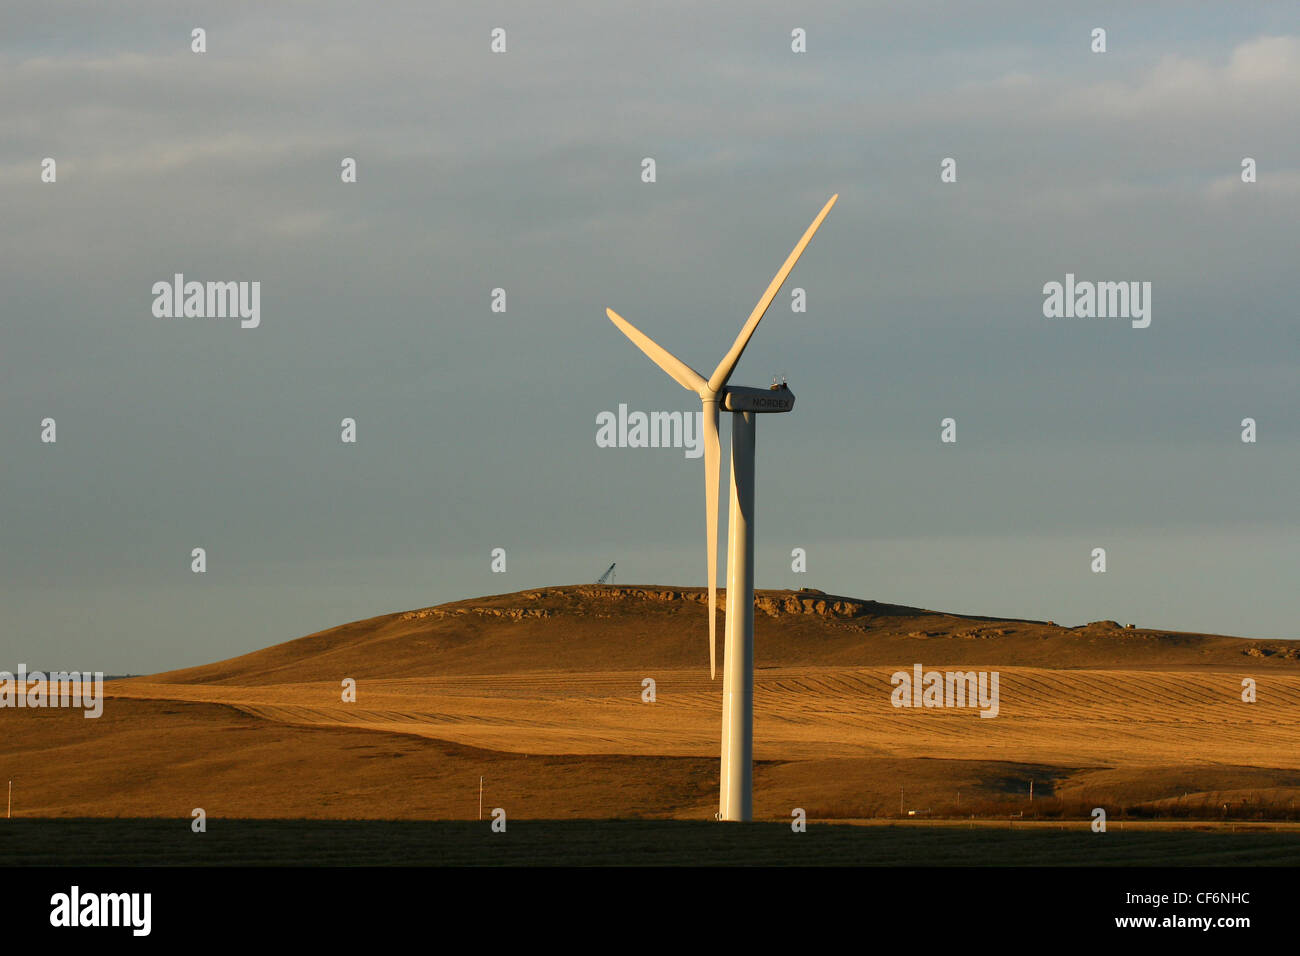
{"x": 741, "y": 398}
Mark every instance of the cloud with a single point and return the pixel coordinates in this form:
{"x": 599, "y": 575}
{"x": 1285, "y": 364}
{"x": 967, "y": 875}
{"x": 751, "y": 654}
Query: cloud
{"x": 1260, "y": 77}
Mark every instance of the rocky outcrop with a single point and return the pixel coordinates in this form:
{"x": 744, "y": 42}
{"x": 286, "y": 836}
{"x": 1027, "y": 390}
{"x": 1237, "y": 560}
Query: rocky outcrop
{"x": 773, "y": 604}
{"x": 513, "y": 613}
{"x": 1283, "y": 653}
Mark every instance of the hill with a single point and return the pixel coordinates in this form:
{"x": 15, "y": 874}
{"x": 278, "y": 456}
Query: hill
{"x": 589, "y": 627}
{"x": 540, "y": 693}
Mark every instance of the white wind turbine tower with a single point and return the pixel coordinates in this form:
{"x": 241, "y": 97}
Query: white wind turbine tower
{"x": 736, "y": 801}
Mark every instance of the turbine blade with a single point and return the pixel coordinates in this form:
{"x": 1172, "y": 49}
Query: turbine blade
{"x": 712, "y": 475}
{"x": 723, "y": 372}
{"x": 685, "y": 376}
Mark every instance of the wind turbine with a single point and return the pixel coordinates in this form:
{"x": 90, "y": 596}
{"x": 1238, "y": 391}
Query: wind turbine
{"x": 736, "y": 799}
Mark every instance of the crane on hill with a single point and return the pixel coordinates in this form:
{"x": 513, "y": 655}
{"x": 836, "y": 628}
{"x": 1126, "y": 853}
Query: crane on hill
{"x": 607, "y": 577}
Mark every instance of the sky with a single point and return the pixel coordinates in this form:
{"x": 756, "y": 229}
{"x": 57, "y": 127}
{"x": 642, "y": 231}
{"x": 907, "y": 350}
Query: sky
{"x": 523, "y": 170}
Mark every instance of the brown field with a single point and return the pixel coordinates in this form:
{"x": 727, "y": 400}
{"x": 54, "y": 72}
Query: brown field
{"x": 540, "y": 693}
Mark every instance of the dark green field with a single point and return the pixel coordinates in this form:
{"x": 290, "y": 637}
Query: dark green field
{"x": 618, "y": 843}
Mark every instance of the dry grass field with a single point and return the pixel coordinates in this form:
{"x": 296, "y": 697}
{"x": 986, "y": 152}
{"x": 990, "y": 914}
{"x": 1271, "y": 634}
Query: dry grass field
{"x": 540, "y": 693}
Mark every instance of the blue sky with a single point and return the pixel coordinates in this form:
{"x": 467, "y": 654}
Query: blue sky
{"x": 522, "y": 171}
